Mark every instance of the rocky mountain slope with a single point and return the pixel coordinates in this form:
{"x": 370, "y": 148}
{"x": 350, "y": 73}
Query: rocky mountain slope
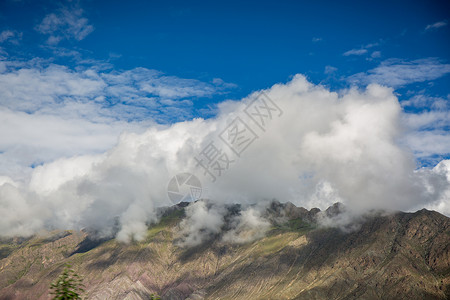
{"x": 396, "y": 256}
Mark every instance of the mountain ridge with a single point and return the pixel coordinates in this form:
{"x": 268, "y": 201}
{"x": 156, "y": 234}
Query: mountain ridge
{"x": 387, "y": 256}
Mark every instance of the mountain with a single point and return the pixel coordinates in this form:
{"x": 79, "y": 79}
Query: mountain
{"x": 387, "y": 256}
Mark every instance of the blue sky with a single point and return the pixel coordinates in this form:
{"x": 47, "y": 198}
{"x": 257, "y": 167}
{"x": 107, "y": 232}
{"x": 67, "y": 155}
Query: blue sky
{"x": 109, "y": 66}
{"x": 252, "y": 44}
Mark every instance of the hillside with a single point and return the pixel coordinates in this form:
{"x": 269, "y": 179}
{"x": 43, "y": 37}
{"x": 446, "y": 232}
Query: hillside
{"x": 396, "y": 256}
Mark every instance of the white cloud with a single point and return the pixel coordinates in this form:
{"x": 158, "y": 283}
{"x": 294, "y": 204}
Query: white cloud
{"x": 375, "y": 54}
{"x": 436, "y": 25}
{"x": 6, "y": 179}
{"x": 247, "y": 227}
{"x": 16, "y": 206}
{"x": 363, "y": 50}
{"x": 67, "y": 23}
{"x": 205, "y": 220}
{"x": 6, "y": 34}
{"x": 442, "y": 204}
{"x": 427, "y": 120}
{"x": 325, "y": 146}
{"x": 330, "y": 70}
{"x": 427, "y": 135}
{"x": 429, "y": 143}
{"x": 49, "y": 111}
{"x": 202, "y": 222}
{"x": 422, "y": 101}
{"x": 396, "y": 72}
{"x": 29, "y": 139}
{"x": 11, "y": 36}
{"x": 355, "y": 52}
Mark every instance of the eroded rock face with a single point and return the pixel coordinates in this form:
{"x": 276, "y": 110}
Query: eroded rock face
{"x": 397, "y": 256}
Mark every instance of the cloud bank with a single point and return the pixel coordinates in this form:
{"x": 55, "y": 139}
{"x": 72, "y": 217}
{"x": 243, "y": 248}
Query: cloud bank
{"x": 325, "y": 147}
{"x": 50, "y": 111}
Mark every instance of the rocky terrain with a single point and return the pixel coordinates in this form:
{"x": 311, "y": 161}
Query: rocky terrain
{"x": 388, "y": 256}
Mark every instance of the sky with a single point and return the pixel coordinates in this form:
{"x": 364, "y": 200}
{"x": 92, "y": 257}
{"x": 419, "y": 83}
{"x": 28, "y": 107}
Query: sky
{"x": 86, "y": 85}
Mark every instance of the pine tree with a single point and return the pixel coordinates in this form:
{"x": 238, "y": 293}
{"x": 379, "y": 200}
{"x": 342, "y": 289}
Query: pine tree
{"x": 67, "y": 286}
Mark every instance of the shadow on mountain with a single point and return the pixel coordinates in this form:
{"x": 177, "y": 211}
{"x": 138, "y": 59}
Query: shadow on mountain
{"x": 88, "y": 244}
{"x": 57, "y": 236}
{"x": 5, "y": 252}
{"x": 118, "y": 255}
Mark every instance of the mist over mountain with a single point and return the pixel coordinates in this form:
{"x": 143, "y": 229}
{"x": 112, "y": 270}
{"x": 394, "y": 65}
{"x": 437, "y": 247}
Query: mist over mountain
{"x": 297, "y": 256}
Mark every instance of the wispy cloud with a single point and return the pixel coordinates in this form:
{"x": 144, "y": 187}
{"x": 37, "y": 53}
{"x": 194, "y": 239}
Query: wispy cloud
{"x": 376, "y": 54}
{"x": 67, "y": 23}
{"x": 362, "y": 50}
{"x": 396, "y": 72}
{"x": 355, "y": 52}
{"x": 429, "y": 144}
{"x": 428, "y": 124}
{"x": 330, "y": 69}
{"x": 317, "y": 39}
{"x": 436, "y": 25}
{"x": 422, "y": 101}
{"x": 6, "y": 34}
{"x": 11, "y": 36}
